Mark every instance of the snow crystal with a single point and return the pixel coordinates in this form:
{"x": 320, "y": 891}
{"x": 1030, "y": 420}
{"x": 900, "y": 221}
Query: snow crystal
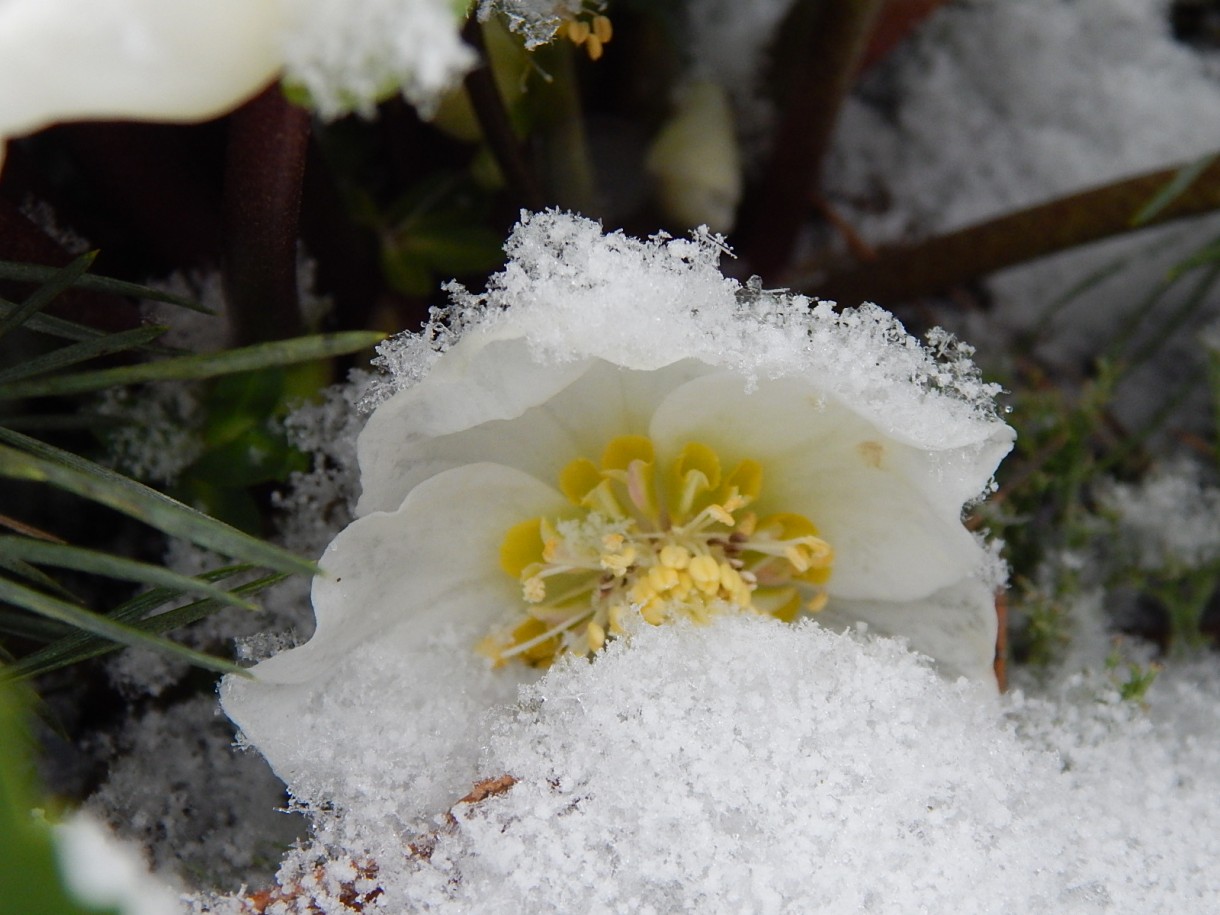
{"x": 750, "y": 765}
{"x": 348, "y": 56}
{"x": 1170, "y": 518}
{"x": 536, "y": 21}
{"x": 166, "y": 806}
{"x": 996, "y": 105}
{"x": 671, "y": 298}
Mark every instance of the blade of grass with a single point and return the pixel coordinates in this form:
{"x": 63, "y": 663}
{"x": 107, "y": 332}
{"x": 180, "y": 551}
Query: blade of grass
{"x": 28, "y": 626}
{"x": 80, "y": 647}
{"x": 41, "y": 297}
{"x": 208, "y": 365}
{"x": 62, "y": 611}
{"x": 43, "y": 463}
{"x": 80, "y": 352}
{"x": 32, "y": 574}
{"x": 34, "y": 273}
{"x": 68, "y": 330}
{"x": 84, "y": 560}
{"x": 1186, "y": 176}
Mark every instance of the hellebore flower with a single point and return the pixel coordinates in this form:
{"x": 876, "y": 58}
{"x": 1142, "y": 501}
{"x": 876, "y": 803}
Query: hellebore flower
{"x": 620, "y": 436}
{"x": 183, "y": 61}
{"x": 191, "y": 60}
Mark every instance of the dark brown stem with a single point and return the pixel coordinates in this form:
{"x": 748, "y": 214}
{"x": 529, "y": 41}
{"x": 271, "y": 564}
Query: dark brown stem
{"x": 264, "y": 170}
{"x": 825, "y": 41}
{"x": 497, "y": 128}
{"x": 903, "y": 273}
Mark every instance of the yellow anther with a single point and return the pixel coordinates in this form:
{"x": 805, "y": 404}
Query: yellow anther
{"x": 675, "y": 556}
{"x": 641, "y": 592}
{"x": 684, "y": 586}
{"x": 653, "y": 612}
{"x": 662, "y": 578}
{"x": 678, "y": 543}
{"x": 595, "y": 637}
{"x": 593, "y": 45}
{"x": 735, "y": 501}
{"x": 705, "y": 573}
{"x": 615, "y": 617}
{"x": 578, "y": 31}
{"x": 618, "y": 563}
{"x": 797, "y": 557}
{"x": 534, "y": 589}
{"x": 603, "y": 29}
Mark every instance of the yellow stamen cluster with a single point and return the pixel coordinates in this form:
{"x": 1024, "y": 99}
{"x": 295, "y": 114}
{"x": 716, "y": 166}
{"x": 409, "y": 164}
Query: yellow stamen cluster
{"x": 658, "y": 546}
{"x": 594, "y": 33}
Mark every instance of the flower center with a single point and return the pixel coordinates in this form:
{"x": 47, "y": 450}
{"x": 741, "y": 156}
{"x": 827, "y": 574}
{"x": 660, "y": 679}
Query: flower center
{"x": 678, "y": 544}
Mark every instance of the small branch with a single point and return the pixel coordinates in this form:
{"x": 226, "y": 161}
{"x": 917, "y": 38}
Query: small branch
{"x": 265, "y": 167}
{"x": 906, "y": 272}
{"x": 497, "y": 127}
{"x": 826, "y": 43}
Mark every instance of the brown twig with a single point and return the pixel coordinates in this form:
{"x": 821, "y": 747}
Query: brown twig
{"x": 824, "y": 45}
{"x": 265, "y": 167}
{"x": 902, "y": 273}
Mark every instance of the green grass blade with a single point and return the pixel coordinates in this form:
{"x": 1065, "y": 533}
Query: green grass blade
{"x": 30, "y": 627}
{"x": 194, "y": 367}
{"x": 34, "y": 273}
{"x": 80, "y": 352}
{"x": 41, "y": 297}
{"x": 69, "y": 330}
{"x": 1181, "y": 182}
{"x": 80, "y": 647}
{"x": 84, "y": 560}
{"x": 42, "y": 463}
{"x": 64, "y": 612}
{"x": 20, "y": 567}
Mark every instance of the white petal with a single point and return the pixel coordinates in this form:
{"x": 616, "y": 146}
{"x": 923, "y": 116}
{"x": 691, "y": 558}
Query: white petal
{"x": 493, "y": 402}
{"x": 956, "y": 626}
{"x": 892, "y": 512}
{"x": 392, "y": 581}
{"x": 168, "y": 60}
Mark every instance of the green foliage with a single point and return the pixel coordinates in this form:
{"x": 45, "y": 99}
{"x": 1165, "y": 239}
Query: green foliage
{"x": 30, "y": 881}
{"x": 249, "y": 387}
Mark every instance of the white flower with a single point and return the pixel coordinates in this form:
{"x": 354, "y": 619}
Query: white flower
{"x": 190, "y": 60}
{"x": 148, "y": 59}
{"x": 552, "y": 479}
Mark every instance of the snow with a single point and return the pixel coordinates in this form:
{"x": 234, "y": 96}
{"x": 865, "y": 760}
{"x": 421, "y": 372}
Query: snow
{"x": 754, "y": 766}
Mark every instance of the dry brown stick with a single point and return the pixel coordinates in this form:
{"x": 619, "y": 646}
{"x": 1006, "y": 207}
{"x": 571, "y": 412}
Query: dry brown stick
{"x": 824, "y": 43}
{"x": 265, "y": 167}
{"x": 905, "y": 272}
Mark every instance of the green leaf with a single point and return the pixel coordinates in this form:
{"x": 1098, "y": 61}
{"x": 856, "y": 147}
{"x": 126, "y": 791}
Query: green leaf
{"x": 57, "y": 282}
{"x": 208, "y": 365}
{"x": 43, "y": 463}
{"x": 80, "y": 352}
{"x": 30, "y": 881}
{"x": 80, "y": 646}
{"x": 1180, "y": 183}
{"x": 34, "y": 273}
{"x": 68, "y": 330}
{"x": 11, "y": 562}
{"x": 53, "y": 608}
{"x": 84, "y": 560}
